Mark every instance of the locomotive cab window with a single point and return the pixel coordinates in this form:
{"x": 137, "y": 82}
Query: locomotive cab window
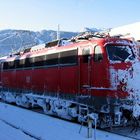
{"x": 86, "y": 55}
{"x": 98, "y": 54}
{"x": 120, "y": 53}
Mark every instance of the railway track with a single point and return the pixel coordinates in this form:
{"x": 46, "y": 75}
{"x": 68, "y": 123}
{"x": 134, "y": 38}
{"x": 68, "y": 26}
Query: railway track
{"x": 122, "y": 131}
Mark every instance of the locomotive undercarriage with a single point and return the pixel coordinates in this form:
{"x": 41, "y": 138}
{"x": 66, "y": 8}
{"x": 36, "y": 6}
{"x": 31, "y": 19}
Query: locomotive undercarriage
{"x": 107, "y": 115}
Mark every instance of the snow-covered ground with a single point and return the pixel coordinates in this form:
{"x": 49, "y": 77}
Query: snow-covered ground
{"x": 16, "y": 123}
{"x": 9, "y": 133}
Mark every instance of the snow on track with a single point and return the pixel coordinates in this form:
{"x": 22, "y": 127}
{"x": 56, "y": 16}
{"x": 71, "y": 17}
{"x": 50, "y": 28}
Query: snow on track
{"x": 45, "y": 127}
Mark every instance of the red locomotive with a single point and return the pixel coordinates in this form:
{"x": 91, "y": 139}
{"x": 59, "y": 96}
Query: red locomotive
{"x": 73, "y": 78}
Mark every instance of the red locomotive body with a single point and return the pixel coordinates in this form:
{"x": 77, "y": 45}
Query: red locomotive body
{"x": 71, "y": 78}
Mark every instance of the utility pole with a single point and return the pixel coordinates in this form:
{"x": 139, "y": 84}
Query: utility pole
{"x": 58, "y": 32}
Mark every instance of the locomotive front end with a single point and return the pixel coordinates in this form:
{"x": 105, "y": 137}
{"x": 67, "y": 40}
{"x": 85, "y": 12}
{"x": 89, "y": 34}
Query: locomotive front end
{"x": 125, "y": 77}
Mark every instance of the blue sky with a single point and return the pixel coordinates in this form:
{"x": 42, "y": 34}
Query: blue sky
{"x": 72, "y": 15}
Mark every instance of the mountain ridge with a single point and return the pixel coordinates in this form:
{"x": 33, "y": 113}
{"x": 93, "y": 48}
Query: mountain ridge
{"x": 13, "y": 40}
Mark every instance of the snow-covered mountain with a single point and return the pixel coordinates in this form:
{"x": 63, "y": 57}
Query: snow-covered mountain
{"x": 13, "y": 40}
{"x": 86, "y": 29}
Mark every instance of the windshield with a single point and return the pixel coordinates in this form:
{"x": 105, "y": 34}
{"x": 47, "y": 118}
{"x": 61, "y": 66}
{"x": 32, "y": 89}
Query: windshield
{"x": 120, "y": 53}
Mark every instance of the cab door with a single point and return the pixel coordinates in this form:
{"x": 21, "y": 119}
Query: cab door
{"x": 98, "y": 68}
{"x": 85, "y": 70}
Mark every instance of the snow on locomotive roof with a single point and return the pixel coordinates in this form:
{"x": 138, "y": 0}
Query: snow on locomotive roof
{"x": 121, "y": 41}
{"x": 40, "y": 46}
{"x": 2, "y": 58}
{"x": 9, "y": 59}
{"x": 61, "y": 42}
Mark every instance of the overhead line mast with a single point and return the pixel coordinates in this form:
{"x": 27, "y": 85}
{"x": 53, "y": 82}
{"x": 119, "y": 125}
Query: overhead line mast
{"x": 58, "y": 32}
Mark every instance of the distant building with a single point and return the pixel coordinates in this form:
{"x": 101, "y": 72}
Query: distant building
{"x": 130, "y": 30}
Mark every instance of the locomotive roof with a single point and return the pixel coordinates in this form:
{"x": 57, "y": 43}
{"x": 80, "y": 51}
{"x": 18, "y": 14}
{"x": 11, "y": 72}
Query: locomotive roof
{"x": 64, "y": 45}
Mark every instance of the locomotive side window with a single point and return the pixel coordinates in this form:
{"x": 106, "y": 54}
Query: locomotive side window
{"x": 39, "y": 60}
{"x": 17, "y": 63}
{"x": 21, "y": 63}
{"x": 68, "y": 57}
{"x": 11, "y": 64}
{"x": 64, "y": 58}
{"x": 98, "y": 55}
{"x": 5, "y": 65}
{"x": 27, "y": 63}
{"x": 52, "y": 59}
{"x": 86, "y": 54}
